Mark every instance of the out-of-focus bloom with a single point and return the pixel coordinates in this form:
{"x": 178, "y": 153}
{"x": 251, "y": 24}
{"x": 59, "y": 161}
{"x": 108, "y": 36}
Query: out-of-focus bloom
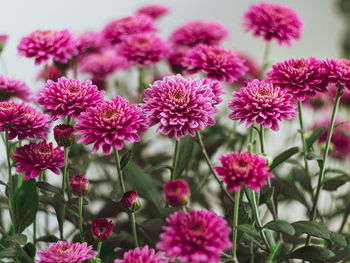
{"x": 3, "y": 40}
{"x": 66, "y": 252}
{"x": 344, "y": 99}
{"x": 53, "y": 73}
{"x": 262, "y": 102}
{"x": 180, "y": 105}
{"x": 101, "y": 228}
{"x": 79, "y": 185}
{"x": 36, "y": 157}
{"x": 64, "y": 134}
{"x": 254, "y": 69}
{"x": 9, "y": 112}
{"x": 13, "y": 88}
{"x": 199, "y": 32}
{"x": 217, "y": 62}
{"x": 320, "y": 101}
{"x": 141, "y": 255}
{"x": 143, "y": 49}
{"x": 89, "y": 41}
{"x": 177, "y": 193}
{"x": 116, "y": 30}
{"x": 243, "y": 169}
{"x": 46, "y": 44}
{"x": 111, "y": 123}
{"x": 130, "y": 201}
{"x": 273, "y": 21}
{"x": 215, "y": 87}
{"x": 338, "y": 71}
{"x": 154, "y": 11}
{"x": 301, "y": 77}
{"x": 195, "y": 237}
{"x": 176, "y": 58}
{"x": 69, "y": 97}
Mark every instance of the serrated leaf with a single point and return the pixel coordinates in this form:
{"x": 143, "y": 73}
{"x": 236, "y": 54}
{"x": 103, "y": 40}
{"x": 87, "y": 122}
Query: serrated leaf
{"x": 248, "y": 229}
{"x": 282, "y": 157}
{"x": 312, "y": 253}
{"x": 48, "y": 187}
{"x": 314, "y": 136}
{"x": 333, "y": 183}
{"x": 17, "y": 238}
{"x": 312, "y": 228}
{"x": 125, "y": 159}
{"x": 186, "y": 146}
{"x": 281, "y": 226}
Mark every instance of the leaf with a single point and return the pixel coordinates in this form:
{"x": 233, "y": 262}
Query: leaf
{"x": 313, "y": 156}
{"x": 3, "y": 183}
{"x": 283, "y": 157}
{"x": 248, "y": 229}
{"x": 338, "y": 238}
{"x": 57, "y": 205}
{"x": 9, "y": 252}
{"x": 266, "y": 194}
{"x": 281, "y": 226}
{"x": 185, "y": 152}
{"x": 125, "y": 159}
{"x": 48, "y": 187}
{"x": 299, "y": 175}
{"x": 314, "y": 136}
{"x": 333, "y": 183}
{"x": 312, "y": 228}
{"x": 312, "y": 253}
{"x": 289, "y": 189}
{"x": 48, "y": 238}
{"x": 282, "y": 252}
{"x": 17, "y": 238}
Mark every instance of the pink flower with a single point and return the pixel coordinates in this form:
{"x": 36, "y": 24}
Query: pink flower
{"x": 262, "y": 102}
{"x": 66, "y": 252}
{"x": 243, "y": 169}
{"x": 130, "y": 201}
{"x": 301, "y": 77}
{"x": 142, "y": 255}
{"x": 254, "y": 69}
{"x": 9, "y": 111}
{"x": 64, "y": 134}
{"x": 143, "y": 49}
{"x": 101, "y": 228}
{"x": 273, "y": 21}
{"x": 53, "y": 73}
{"x": 344, "y": 99}
{"x": 89, "y": 41}
{"x": 111, "y": 123}
{"x": 46, "y": 44}
{"x": 177, "y": 193}
{"x": 216, "y": 88}
{"x": 180, "y": 105}
{"x": 195, "y": 237}
{"x": 338, "y": 71}
{"x": 116, "y": 30}
{"x": 69, "y": 97}
{"x": 36, "y": 157}
{"x": 217, "y": 62}
{"x": 199, "y": 32}
{"x": 13, "y": 88}
{"x": 154, "y": 11}
{"x": 79, "y": 185}
{"x": 176, "y": 58}
{"x": 320, "y": 101}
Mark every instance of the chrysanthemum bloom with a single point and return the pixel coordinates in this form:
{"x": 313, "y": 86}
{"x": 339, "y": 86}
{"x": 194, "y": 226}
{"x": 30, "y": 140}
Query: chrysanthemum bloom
{"x": 262, "y": 102}
{"x": 9, "y": 112}
{"x": 302, "y": 77}
{"x": 89, "y": 41}
{"x": 46, "y": 44}
{"x": 273, "y": 21}
{"x": 79, "y": 185}
{"x": 254, "y": 69}
{"x": 217, "y": 62}
{"x": 176, "y": 58}
{"x": 36, "y": 157}
{"x": 338, "y": 71}
{"x": 195, "y": 237}
{"x": 320, "y": 101}
{"x": 332, "y": 92}
{"x": 243, "y": 169}
{"x": 111, "y": 123}
{"x": 180, "y": 105}
{"x": 3, "y": 40}
{"x": 154, "y": 11}
{"x": 66, "y": 252}
{"x": 64, "y": 134}
{"x": 199, "y": 32}
{"x": 177, "y": 193}
{"x": 130, "y": 201}
{"x": 53, "y": 73}
{"x": 116, "y": 30}
{"x": 101, "y": 228}
{"x": 142, "y": 255}
{"x": 69, "y": 97}
{"x": 215, "y": 87}
{"x": 13, "y": 88}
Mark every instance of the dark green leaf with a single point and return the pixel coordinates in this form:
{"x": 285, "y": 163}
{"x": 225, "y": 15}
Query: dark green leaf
{"x": 338, "y": 124}
{"x": 289, "y": 189}
{"x": 266, "y": 194}
{"x": 125, "y": 159}
{"x": 30, "y": 249}
{"x": 298, "y": 174}
{"x": 17, "y": 238}
{"x": 116, "y": 195}
{"x": 75, "y": 201}
{"x": 333, "y": 183}
{"x": 247, "y": 229}
{"x": 9, "y": 252}
{"x": 281, "y": 226}
{"x": 282, "y": 252}
{"x": 3, "y": 183}
{"x": 312, "y": 228}
{"x": 312, "y": 253}
{"x": 48, "y": 187}
{"x": 48, "y": 238}
{"x": 57, "y": 205}
{"x": 338, "y": 238}
{"x": 185, "y": 152}
{"x": 314, "y": 136}
{"x": 283, "y": 157}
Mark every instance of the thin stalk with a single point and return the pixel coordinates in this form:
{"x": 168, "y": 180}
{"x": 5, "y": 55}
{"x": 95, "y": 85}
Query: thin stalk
{"x": 142, "y": 75}
{"x": 75, "y": 67}
{"x": 133, "y": 226}
{"x": 63, "y": 190}
{"x": 99, "y": 245}
{"x": 265, "y": 59}
{"x": 234, "y": 225}
{"x": 119, "y": 169}
{"x": 175, "y": 158}
{"x": 82, "y": 239}
{"x": 34, "y": 221}
{"x": 20, "y": 176}
{"x": 261, "y": 136}
{"x": 251, "y": 251}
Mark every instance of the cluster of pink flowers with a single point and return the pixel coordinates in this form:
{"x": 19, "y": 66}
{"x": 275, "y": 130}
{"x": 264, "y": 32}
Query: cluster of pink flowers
{"x": 13, "y": 88}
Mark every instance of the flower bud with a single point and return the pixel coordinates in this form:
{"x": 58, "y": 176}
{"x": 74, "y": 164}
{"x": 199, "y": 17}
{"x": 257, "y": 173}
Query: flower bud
{"x": 64, "y": 134}
{"x": 101, "y": 228}
{"x": 79, "y": 185}
{"x": 268, "y": 158}
{"x": 130, "y": 201}
{"x": 177, "y": 193}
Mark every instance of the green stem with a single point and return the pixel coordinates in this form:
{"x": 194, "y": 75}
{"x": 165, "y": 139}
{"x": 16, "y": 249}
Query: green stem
{"x": 142, "y": 75}
{"x": 265, "y": 59}
{"x": 175, "y": 159}
{"x": 20, "y": 176}
{"x": 99, "y": 245}
{"x": 82, "y": 239}
{"x": 75, "y": 67}
{"x": 206, "y": 157}
{"x": 63, "y": 212}
{"x": 46, "y": 72}
{"x": 34, "y": 221}
{"x": 119, "y": 169}
{"x": 133, "y": 226}
{"x": 234, "y": 226}
{"x": 261, "y": 135}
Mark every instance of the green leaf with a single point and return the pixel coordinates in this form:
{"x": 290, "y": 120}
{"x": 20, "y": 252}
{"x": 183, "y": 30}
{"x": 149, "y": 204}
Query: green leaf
{"x": 283, "y": 157}
{"x": 338, "y": 238}
{"x": 3, "y": 183}
{"x": 48, "y": 187}
{"x": 312, "y": 228}
{"x": 57, "y": 205}
{"x": 312, "y": 253}
{"x": 9, "y": 252}
{"x": 17, "y": 238}
{"x": 125, "y": 159}
{"x": 313, "y": 156}
{"x": 248, "y": 229}
{"x": 314, "y": 136}
{"x": 300, "y": 176}
{"x": 333, "y": 183}
{"x": 185, "y": 152}
{"x": 48, "y": 238}
{"x": 282, "y": 252}
{"x": 289, "y": 189}
{"x": 30, "y": 249}
{"x": 266, "y": 194}
{"x": 281, "y": 226}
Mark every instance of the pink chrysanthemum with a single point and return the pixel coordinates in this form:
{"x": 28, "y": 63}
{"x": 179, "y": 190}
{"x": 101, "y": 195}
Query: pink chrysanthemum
{"x": 53, "y": 73}
{"x": 195, "y": 237}
{"x": 180, "y": 105}
{"x": 199, "y": 32}
{"x": 36, "y": 157}
{"x": 177, "y": 192}
{"x": 217, "y": 62}
{"x": 9, "y": 112}
{"x": 141, "y": 255}
{"x": 101, "y": 228}
{"x": 338, "y": 71}
{"x": 79, "y": 185}
{"x": 111, "y": 123}
{"x": 13, "y": 88}
{"x": 116, "y": 30}
{"x": 143, "y": 49}
{"x": 262, "y": 102}
{"x": 215, "y": 87}
{"x": 154, "y": 11}
{"x": 69, "y": 97}
{"x": 46, "y": 44}
{"x": 243, "y": 169}
{"x": 254, "y": 69}
{"x": 130, "y": 201}
{"x": 320, "y": 101}
{"x": 273, "y": 21}
{"x": 66, "y": 252}
{"x": 89, "y": 41}
{"x": 301, "y": 77}
{"x": 344, "y": 99}
{"x": 176, "y": 58}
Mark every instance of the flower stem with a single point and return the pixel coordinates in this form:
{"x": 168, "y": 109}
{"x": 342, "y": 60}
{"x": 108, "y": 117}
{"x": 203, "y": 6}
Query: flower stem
{"x": 82, "y": 239}
{"x": 142, "y": 75}
{"x": 75, "y": 67}
{"x": 133, "y": 226}
{"x": 63, "y": 212}
{"x": 234, "y": 226}
{"x": 265, "y": 63}
{"x": 46, "y": 72}
{"x": 261, "y": 136}
{"x": 175, "y": 158}
{"x": 34, "y": 221}
{"x": 99, "y": 245}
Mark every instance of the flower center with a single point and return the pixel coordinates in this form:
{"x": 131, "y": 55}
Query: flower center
{"x": 111, "y": 115}
{"x": 64, "y": 249}
{"x": 178, "y": 95}
{"x": 298, "y": 66}
{"x": 73, "y": 89}
{"x": 101, "y": 229}
{"x": 43, "y": 149}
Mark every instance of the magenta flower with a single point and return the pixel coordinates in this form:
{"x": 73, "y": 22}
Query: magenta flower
{"x": 273, "y": 21}
{"x": 195, "y": 237}
{"x": 79, "y": 185}
{"x": 9, "y": 112}
{"x": 301, "y": 77}
{"x": 154, "y": 11}
{"x": 130, "y": 201}
{"x": 262, "y": 102}
{"x": 46, "y": 44}
{"x": 243, "y": 169}
{"x": 36, "y": 157}
{"x": 176, "y": 58}
{"x": 320, "y": 101}
{"x": 254, "y": 69}
{"x": 338, "y": 71}
{"x": 111, "y": 123}
{"x": 64, "y": 135}
{"x": 13, "y": 88}
{"x": 69, "y": 97}
{"x": 89, "y": 41}
{"x": 180, "y": 105}
{"x": 53, "y": 73}
{"x": 101, "y": 228}
{"x": 217, "y": 62}
{"x": 116, "y": 30}
{"x": 215, "y": 86}
{"x": 199, "y": 32}
{"x": 141, "y": 255}
{"x": 66, "y": 252}
{"x": 177, "y": 192}
{"x": 143, "y": 49}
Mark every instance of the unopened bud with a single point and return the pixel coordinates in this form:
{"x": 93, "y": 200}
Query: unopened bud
{"x": 79, "y": 185}
{"x": 177, "y": 193}
{"x": 64, "y": 134}
{"x": 101, "y": 228}
{"x": 130, "y": 201}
